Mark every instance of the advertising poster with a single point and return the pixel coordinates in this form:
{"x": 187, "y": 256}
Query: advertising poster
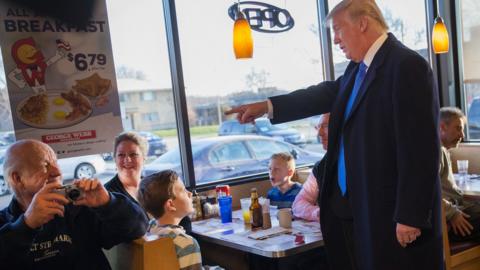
{"x": 61, "y": 80}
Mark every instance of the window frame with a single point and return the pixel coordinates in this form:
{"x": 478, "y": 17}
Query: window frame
{"x": 179, "y": 93}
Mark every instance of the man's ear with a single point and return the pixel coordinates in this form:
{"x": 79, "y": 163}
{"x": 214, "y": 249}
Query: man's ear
{"x": 363, "y": 23}
{"x": 16, "y": 179}
{"x": 443, "y": 126}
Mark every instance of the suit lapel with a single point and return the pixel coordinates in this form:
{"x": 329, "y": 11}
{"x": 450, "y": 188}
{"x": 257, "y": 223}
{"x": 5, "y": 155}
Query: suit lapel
{"x": 336, "y": 118}
{"x": 371, "y": 74}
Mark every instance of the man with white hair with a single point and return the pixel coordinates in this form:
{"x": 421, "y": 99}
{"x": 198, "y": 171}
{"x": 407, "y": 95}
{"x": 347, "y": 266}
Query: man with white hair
{"x": 306, "y": 203}
{"x": 380, "y": 201}
{"x": 43, "y": 229}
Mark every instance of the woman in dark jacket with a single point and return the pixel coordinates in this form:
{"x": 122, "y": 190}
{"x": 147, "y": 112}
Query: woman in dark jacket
{"x": 130, "y": 152}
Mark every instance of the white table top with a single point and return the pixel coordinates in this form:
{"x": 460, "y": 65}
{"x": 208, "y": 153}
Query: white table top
{"x": 471, "y": 187}
{"x": 235, "y": 235}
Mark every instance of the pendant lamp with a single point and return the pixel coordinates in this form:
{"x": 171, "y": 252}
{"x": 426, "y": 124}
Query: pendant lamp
{"x": 242, "y": 36}
{"x": 440, "y": 42}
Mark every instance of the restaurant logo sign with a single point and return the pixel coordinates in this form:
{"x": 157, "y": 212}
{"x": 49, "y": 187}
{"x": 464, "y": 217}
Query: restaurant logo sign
{"x": 264, "y": 17}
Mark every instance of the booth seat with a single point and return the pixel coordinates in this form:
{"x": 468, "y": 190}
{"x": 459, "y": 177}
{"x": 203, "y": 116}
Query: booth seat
{"x": 146, "y": 253}
{"x": 470, "y": 152}
{"x": 462, "y": 255}
{"x": 459, "y": 256}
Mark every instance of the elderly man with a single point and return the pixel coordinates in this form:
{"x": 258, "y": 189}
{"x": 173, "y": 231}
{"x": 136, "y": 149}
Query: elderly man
{"x": 42, "y": 229}
{"x": 381, "y": 195}
{"x": 306, "y": 202}
{"x": 462, "y": 214}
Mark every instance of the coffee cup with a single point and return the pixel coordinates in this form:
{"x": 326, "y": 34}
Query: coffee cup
{"x": 285, "y": 218}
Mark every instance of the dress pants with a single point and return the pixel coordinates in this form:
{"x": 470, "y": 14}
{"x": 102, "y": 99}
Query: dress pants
{"x": 338, "y": 231}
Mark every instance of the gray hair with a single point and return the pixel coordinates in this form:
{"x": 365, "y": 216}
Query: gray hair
{"x": 132, "y": 137}
{"x": 358, "y": 8}
{"x": 447, "y": 114}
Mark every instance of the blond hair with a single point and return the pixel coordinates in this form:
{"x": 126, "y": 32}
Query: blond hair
{"x": 358, "y": 8}
{"x": 133, "y": 137}
{"x": 286, "y": 157}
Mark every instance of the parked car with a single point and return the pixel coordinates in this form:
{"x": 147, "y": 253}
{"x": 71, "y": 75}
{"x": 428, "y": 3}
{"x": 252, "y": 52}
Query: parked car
{"x": 263, "y": 127}
{"x": 71, "y": 168}
{"x": 156, "y": 144}
{"x": 474, "y": 119}
{"x": 3, "y": 184}
{"x": 231, "y": 156}
{"x": 8, "y": 137}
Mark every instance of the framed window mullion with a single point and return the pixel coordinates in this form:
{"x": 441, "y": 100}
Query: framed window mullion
{"x": 179, "y": 96}
{"x": 325, "y": 41}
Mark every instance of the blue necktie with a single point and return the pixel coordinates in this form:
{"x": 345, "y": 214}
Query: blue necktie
{"x": 342, "y": 172}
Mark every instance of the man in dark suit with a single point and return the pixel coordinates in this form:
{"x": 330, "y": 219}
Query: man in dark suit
{"x": 380, "y": 203}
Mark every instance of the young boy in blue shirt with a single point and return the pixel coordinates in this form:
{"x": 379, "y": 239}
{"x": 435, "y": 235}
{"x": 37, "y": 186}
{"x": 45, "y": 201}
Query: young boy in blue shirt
{"x": 284, "y": 191}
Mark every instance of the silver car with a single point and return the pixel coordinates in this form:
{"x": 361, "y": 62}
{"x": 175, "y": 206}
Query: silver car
{"x": 71, "y": 168}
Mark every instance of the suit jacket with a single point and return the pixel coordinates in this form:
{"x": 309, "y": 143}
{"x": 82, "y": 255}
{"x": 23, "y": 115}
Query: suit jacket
{"x": 392, "y": 152}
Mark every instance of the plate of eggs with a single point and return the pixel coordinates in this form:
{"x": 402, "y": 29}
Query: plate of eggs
{"x": 54, "y": 109}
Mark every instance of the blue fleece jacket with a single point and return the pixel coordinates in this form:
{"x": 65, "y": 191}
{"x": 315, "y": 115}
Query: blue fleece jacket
{"x": 72, "y": 242}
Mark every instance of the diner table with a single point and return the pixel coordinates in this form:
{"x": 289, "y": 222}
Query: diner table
{"x": 237, "y": 235}
{"x": 471, "y": 187}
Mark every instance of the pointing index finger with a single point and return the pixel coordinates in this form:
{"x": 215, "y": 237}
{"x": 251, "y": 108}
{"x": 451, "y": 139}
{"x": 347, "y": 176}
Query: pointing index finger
{"x": 233, "y": 110}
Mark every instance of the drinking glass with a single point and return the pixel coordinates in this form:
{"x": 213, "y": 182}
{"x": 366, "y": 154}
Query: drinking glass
{"x": 462, "y": 166}
{"x": 245, "y": 203}
{"x": 225, "y": 203}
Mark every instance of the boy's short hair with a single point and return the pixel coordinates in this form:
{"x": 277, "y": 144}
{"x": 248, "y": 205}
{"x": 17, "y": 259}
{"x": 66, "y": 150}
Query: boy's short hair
{"x": 287, "y": 157}
{"x": 155, "y": 190}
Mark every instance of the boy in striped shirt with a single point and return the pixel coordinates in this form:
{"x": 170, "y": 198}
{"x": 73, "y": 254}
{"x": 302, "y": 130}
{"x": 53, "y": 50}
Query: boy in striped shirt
{"x": 284, "y": 191}
{"x": 164, "y": 196}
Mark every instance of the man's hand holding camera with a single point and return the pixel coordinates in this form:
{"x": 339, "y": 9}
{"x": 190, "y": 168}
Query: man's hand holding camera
{"x": 93, "y": 193}
{"x": 45, "y": 205}
{"x": 50, "y": 200}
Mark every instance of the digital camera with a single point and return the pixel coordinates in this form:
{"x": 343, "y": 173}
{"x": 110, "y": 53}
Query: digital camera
{"x": 71, "y": 192}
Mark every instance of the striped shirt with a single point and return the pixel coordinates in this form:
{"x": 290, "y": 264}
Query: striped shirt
{"x": 283, "y": 200}
{"x": 186, "y": 247}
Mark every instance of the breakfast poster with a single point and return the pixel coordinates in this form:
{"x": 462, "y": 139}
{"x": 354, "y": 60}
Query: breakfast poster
{"x": 61, "y": 80}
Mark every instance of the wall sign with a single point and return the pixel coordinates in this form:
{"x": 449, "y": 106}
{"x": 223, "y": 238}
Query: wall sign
{"x": 264, "y": 17}
{"x": 61, "y": 80}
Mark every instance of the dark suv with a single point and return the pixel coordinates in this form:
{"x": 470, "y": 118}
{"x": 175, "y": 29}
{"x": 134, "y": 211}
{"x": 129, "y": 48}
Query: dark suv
{"x": 156, "y": 144}
{"x": 263, "y": 127}
{"x": 474, "y": 119}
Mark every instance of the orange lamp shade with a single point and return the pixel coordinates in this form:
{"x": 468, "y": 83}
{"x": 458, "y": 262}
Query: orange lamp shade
{"x": 242, "y": 39}
{"x": 440, "y": 37}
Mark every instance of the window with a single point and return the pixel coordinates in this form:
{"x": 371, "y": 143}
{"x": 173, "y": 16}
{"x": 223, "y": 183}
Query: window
{"x": 215, "y": 81}
{"x": 230, "y": 152}
{"x": 265, "y": 149}
{"x": 406, "y": 23}
{"x": 470, "y": 42}
{"x": 148, "y": 96}
{"x": 150, "y": 117}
